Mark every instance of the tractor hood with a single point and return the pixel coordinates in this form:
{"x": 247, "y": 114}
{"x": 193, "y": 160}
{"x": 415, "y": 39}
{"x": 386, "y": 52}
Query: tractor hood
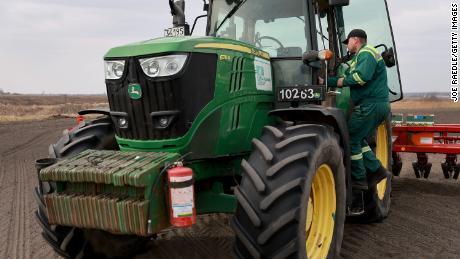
{"x": 182, "y": 44}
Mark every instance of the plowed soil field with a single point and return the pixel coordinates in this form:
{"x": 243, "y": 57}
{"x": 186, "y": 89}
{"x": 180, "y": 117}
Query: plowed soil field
{"x": 423, "y": 222}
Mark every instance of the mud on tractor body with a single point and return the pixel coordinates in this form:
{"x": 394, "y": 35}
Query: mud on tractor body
{"x": 243, "y": 111}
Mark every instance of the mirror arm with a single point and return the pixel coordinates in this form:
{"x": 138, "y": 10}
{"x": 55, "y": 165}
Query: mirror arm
{"x": 392, "y": 92}
{"x": 196, "y": 19}
{"x": 382, "y": 45}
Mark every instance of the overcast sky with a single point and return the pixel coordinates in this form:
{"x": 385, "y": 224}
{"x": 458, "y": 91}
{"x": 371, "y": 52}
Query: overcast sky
{"x": 52, "y": 46}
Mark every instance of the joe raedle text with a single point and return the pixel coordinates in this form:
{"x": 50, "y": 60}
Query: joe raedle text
{"x": 454, "y": 53}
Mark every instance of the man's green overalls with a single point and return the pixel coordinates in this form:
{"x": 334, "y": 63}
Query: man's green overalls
{"x": 367, "y": 79}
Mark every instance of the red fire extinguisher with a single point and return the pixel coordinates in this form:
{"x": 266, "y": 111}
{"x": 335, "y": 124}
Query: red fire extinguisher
{"x": 182, "y": 212}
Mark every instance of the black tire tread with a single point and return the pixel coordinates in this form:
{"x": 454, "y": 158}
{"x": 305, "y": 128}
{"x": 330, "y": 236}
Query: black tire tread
{"x": 264, "y": 221}
{"x": 266, "y": 153}
{"x": 279, "y": 192}
{"x": 243, "y": 238}
{"x": 253, "y": 175}
{"x": 97, "y": 134}
{"x": 318, "y": 127}
{"x": 286, "y": 250}
{"x": 243, "y": 201}
{"x": 275, "y": 226}
{"x": 276, "y": 132}
{"x": 78, "y": 143}
{"x": 294, "y": 139}
{"x": 278, "y": 166}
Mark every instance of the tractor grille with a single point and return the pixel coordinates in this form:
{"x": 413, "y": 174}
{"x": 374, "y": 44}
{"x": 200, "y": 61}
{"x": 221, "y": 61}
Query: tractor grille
{"x": 178, "y": 98}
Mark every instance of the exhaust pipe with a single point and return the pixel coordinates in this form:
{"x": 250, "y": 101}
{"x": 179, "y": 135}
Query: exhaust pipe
{"x": 178, "y": 13}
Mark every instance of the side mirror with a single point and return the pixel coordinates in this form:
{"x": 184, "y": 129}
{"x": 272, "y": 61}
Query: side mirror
{"x": 310, "y": 56}
{"x": 388, "y": 55}
{"x": 339, "y": 2}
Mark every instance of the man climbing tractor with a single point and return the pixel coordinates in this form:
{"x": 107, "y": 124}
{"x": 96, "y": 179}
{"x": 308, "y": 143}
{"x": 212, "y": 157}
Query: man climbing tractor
{"x": 367, "y": 79}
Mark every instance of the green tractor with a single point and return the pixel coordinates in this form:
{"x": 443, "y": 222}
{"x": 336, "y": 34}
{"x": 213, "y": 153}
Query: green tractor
{"x": 241, "y": 114}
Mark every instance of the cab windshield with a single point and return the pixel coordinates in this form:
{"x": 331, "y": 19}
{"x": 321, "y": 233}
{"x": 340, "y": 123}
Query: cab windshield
{"x": 280, "y": 28}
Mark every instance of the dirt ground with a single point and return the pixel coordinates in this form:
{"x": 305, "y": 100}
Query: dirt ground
{"x": 19, "y": 107}
{"x": 423, "y": 222}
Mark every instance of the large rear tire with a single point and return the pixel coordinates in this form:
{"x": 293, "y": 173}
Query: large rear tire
{"x": 291, "y": 200}
{"x": 377, "y": 200}
{"x": 72, "y": 242}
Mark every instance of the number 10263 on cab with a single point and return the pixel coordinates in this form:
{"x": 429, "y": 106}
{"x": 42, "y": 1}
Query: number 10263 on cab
{"x": 300, "y": 93}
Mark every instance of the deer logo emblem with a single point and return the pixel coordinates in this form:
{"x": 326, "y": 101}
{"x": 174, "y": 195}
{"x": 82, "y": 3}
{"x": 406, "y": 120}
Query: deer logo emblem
{"x": 135, "y": 91}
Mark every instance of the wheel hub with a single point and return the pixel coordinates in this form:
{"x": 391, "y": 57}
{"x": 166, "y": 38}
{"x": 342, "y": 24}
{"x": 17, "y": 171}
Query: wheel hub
{"x": 381, "y": 152}
{"x": 321, "y": 213}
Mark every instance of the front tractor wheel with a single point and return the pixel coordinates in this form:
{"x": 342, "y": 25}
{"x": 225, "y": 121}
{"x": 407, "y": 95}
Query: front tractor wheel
{"x": 291, "y": 200}
{"x": 73, "y": 242}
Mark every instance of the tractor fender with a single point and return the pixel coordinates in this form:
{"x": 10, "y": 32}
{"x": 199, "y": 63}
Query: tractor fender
{"x": 318, "y": 114}
{"x": 103, "y": 111}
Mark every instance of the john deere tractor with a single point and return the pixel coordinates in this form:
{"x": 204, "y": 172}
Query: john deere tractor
{"x": 242, "y": 112}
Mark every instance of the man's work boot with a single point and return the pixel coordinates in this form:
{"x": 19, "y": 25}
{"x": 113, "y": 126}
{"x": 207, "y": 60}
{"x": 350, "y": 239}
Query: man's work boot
{"x": 357, "y": 204}
{"x": 377, "y": 176}
{"x": 359, "y": 184}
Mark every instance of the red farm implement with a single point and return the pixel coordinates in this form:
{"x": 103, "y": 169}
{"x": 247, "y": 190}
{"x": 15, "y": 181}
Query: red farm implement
{"x": 419, "y": 134}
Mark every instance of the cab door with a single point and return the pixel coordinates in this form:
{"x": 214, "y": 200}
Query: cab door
{"x": 373, "y": 17}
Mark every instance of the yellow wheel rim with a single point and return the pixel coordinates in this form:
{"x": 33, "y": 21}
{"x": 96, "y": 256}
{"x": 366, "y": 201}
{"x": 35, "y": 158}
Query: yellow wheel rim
{"x": 381, "y": 152}
{"x": 321, "y": 213}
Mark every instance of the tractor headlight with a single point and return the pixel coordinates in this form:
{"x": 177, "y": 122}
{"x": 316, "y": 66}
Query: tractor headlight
{"x": 114, "y": 69}
{"x": 163, "y": 66}
{"x": 123, "y": 123}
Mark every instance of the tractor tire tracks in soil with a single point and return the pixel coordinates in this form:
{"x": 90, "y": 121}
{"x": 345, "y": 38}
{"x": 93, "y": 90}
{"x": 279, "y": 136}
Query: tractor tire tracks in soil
{"x": 21, "y": 238}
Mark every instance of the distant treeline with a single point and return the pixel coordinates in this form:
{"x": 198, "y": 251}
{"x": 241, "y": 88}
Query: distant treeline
{"x": 427, "y": 95}
{"x": 35, "y": 99}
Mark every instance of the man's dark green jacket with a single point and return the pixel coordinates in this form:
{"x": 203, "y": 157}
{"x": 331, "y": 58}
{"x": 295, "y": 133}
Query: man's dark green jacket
{"x": 366, "y": 77}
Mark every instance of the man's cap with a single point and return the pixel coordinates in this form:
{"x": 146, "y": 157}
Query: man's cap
{"x": 355, "y": 33}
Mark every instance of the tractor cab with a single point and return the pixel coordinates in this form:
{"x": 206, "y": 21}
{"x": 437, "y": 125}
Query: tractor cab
{"x": 281, "y": 28}
{"x": 287, "y": 29}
